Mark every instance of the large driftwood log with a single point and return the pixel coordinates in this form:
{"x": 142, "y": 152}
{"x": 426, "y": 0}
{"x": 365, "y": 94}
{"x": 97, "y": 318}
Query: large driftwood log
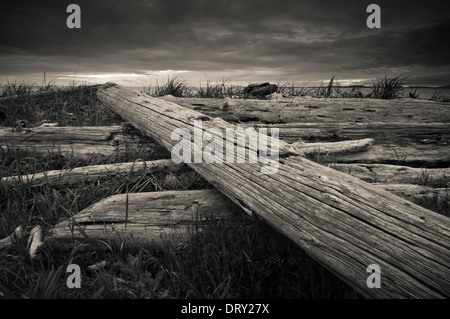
{"x": 79, "y": 141}
{"x": 419, "y": 194}
{"x": 158, "y": 215}
{"x": 416, "y": 144}
{"x": 415, "y": 156}
{"x": 345, "y": 147}
{"x": 151, "y": 217}
{"x": 307, "y": 109}
{"x": 420, "y": 136}
{"x": 395, "y": 174}
{"x": 344, "y": 223}
{"x": 401, "y": 133}
{"x": 107, "y": 139}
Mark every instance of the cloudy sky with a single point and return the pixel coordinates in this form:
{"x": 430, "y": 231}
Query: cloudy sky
{"x": 137, "y": 42}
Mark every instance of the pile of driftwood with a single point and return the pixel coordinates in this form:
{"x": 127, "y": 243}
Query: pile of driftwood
{"x": 354, "y": 210}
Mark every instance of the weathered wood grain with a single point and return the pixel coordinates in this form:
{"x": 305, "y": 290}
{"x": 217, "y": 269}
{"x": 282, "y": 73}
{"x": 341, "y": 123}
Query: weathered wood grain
{"x": 79, "y": 141}
{"x": 158, "y": 215}
{"x": 319, "y": 110}
{"x": 396, "y": 174}
{"x": 415, "y": 156}
{"x": 341, "y": 221}
{"x": 66, "y": 177}
{"x": 401, "y": 133}
{"x": 151, "y": 218}
{"x": 106, "y": 140}
{"x": 418, "y": 193}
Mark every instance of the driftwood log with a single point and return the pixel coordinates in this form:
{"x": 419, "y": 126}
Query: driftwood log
{"x": 318, "y": 110}
{"x": 79, "y": 141}
{"x": 401, "y": 133}
{"x": 66, "y": 177}
{"x": 396, "y": 174}
{"x": 159, "y": 215}
{"x": 419, "y": 194}
{"x": 415, "y": 156}
{"x": 106, "y": 140}
{"x": 344, "y": 223}
{"x": 145, "y": 217}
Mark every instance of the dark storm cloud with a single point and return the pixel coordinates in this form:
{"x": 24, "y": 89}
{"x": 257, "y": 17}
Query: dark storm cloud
{"x": 289, "y": 35}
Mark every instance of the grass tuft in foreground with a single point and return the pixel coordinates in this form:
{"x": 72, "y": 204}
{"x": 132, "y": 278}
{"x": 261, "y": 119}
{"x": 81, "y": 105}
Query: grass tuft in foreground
{"x": 388, "y": 88}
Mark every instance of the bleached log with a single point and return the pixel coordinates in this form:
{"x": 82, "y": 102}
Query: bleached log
{"x": 151, "y": 217}
{"x": 76, "y": 175}
{"x": 431, "y": 157}
{"x": 159, "y": 215}
{"x": 395, "y": 174}
{"x": 319, "y": 110}
{"x": 345, "y": 147}
{"x": 418, "y": 193}
{"x": 80, "y": 141}
{"x": 412, "y": 132}
{"x": 344, "y": 223}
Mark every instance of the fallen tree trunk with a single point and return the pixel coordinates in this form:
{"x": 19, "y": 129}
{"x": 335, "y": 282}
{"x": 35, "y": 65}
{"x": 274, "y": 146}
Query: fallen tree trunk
{"x": 149, "y": 217}
{"x": 344, "y": 223}
{"x": 401, "y": 133}
{"x": 157, "y": 215}
{"x": 106, "y": 140}
{"x": 395, "y": 174}
{"x": 415, "y": 156}
{"x": 319, "y": 110}
{"x": 65, "y": 177}
{"x": 419, "y": 194}
{"x": 345, "y": 147}
{"x": 79, "y": 141}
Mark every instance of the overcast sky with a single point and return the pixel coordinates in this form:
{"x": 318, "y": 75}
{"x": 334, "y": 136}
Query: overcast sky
{"x": 135, "y": 42}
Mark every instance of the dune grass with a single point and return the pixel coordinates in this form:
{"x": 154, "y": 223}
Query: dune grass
{"x": 388, "y": 88}
{"x": 382, "y": 88}
{"x": 76, "y": 105}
